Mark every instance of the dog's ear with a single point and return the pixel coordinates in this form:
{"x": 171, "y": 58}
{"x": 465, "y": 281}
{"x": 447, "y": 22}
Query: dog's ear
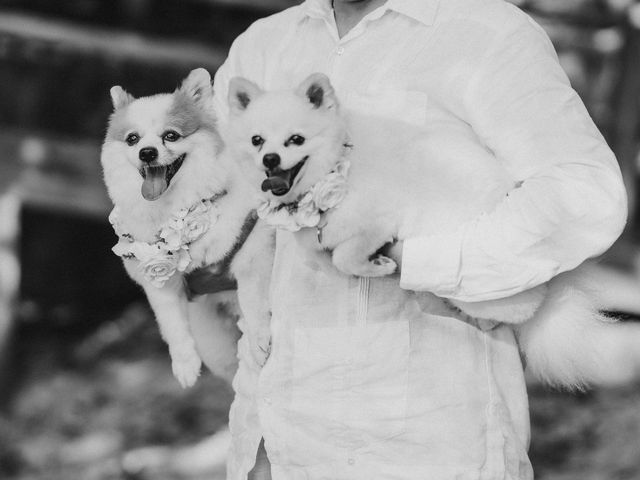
{"x": 120, "y": 98}
{"x": 241, "y": 93}
{"x": 318, "y": 90}
{"x": 197, "y": 86}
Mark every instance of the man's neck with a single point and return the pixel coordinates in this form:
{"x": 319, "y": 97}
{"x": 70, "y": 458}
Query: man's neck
{"x": 349, "y": 12}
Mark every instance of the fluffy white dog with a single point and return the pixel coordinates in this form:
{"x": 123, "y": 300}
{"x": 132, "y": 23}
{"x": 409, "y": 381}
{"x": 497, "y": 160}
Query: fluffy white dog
{"x": 180, "y": 204}
{"x": 363, "y": 182}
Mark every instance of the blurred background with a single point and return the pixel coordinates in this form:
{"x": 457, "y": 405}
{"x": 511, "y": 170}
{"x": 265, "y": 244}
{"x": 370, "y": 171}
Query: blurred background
{"x": 86, "y": 390}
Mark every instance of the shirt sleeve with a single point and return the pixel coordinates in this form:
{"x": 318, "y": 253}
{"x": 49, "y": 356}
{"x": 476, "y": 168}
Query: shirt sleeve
{"x": 570, "y": 203}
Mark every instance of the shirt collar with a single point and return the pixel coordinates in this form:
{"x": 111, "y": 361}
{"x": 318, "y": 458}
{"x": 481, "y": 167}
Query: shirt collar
{"x": 423, "y": 11}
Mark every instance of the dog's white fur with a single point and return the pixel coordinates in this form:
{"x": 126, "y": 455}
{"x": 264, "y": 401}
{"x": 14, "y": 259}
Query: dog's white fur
{"x": 404, "y": 184}
{"x": 207, "y": 170}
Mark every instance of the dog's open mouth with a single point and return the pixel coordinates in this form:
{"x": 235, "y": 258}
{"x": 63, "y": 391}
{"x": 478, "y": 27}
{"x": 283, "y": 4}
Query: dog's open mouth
{"x": 279, "y": 181}
{"x": 156, "y": 178}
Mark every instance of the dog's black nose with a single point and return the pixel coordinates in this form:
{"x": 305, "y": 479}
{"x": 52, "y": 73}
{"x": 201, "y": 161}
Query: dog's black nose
{"x": 271, "y": 160}
{"x": 148, "y": 154}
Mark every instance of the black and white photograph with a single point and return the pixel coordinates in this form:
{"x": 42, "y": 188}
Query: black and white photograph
{"x": 319, "y": 240}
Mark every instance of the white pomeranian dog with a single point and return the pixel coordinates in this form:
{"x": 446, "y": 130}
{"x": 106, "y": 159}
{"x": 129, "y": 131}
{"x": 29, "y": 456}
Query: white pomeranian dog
{"x": 180, "y": 204}
{"x": 363, "y": 182}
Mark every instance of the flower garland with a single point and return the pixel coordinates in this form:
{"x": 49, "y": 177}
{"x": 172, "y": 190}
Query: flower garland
{"x": 169, "y": 254}
{"x": 308, "y": 209}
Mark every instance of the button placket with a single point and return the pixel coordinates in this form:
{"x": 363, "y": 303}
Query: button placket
{"x": 334, "y": 57}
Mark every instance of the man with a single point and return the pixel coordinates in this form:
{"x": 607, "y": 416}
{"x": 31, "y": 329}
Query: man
{"x": 367, "y": 379}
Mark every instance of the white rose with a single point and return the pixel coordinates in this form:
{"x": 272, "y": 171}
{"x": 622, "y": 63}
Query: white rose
{"x": 195, "y": 228}
{"x": 307, "y": 214}
{"x": 196, "y": 224}
{"x": 172, "y": 237}
{"x": 330, "y": 192}
{"x": 159, "y": 269}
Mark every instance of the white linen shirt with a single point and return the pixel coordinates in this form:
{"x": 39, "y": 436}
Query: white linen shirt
{"x": 368, "y": 380}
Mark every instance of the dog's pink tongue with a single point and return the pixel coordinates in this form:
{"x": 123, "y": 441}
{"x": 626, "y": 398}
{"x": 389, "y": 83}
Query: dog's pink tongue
{"x": 155, "y": 182}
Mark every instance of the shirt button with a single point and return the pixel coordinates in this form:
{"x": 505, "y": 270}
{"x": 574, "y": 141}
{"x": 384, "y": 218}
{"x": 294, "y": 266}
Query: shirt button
{"x": 267, "y": 400}
{"x": 340, "y": 50}
{"x": 351, "y": 461}
{"x": 349, "y": 360}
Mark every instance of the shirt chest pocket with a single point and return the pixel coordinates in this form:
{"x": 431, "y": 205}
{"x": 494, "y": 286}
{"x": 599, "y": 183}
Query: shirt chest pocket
{"x": 405, "y": 105}
{"x": 352, "y": 381}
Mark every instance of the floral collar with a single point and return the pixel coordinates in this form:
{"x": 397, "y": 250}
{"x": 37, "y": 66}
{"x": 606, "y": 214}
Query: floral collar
{"x": 308, "y": 209}
{"x": 169, "y": 254}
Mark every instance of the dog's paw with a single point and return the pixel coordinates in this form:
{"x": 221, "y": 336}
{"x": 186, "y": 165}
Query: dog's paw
{"x": 261, "y": 347}
{"x": 186, "y": 365}
{"x": 384, "y": 264}
{"x": 378, "y": 266}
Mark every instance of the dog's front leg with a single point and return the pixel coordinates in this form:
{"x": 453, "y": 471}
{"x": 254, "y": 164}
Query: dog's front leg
{"x": 169, "y": 303}
{"x": 357, "y": 255}
{"x": 252, "y": 270}
{"x": 170, "y": 306}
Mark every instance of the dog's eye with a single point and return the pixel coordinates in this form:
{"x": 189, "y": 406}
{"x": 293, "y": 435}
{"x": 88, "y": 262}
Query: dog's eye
{"x": 132, "y": 139}
{"x": 295, "y": 139}
{"x": 170, "y": 136}
{"x": 257, "y": 140}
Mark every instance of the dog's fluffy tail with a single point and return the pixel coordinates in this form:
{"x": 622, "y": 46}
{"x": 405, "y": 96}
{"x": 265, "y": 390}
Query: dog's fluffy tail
{"x": 570, "y": 344}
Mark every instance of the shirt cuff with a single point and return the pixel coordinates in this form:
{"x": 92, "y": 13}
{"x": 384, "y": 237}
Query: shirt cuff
{"x": 431, "y": 264}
